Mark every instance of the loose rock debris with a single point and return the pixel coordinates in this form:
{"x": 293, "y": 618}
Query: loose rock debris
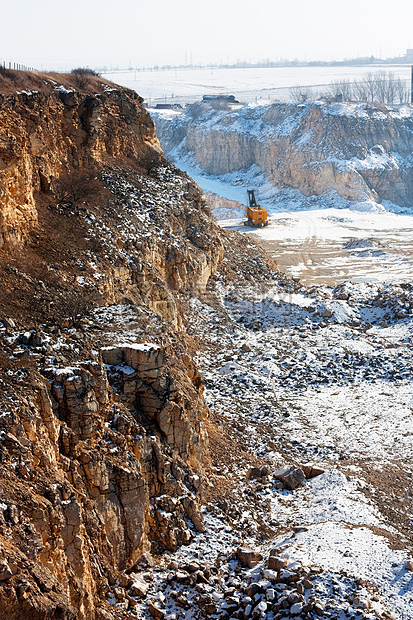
{"x": 335, "y": 552}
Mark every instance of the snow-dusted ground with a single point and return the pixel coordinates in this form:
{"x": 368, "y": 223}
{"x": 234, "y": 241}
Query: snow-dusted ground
{"x": 335, "y": 393}
{"x": 321, "y": 376}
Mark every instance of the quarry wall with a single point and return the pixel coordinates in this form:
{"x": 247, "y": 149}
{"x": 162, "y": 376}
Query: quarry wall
{"x": 362, "y": 151}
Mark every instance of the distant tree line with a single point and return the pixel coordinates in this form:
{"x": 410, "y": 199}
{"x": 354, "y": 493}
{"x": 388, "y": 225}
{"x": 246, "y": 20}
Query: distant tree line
{"x": 379, "y": 86}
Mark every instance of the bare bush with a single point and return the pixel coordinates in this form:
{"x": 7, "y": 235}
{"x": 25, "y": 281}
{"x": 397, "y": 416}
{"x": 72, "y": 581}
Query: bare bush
{"x": 83, "y": 76}
{"x": 74, "y": 307}
{"x": 77, "y": 186}
{"x": 301, "y": 93}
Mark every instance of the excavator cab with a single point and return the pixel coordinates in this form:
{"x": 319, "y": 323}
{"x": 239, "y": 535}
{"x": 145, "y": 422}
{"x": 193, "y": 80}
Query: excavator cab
{"x": 255, "y": 214}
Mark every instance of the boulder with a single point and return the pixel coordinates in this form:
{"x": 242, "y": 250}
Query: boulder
{"x": 139, "y": 587}
{"x": 248, "y": 557}
{"x": 290, "y": 475}
{"x": 318, "y": 608}
{"x": 257, "y": 473}
{"x": 113, "y": 356}
{"x": 276, "y": 563}
{"x": 156, "y": 611}
{"x": 296, "y": 608}
{"x": 311, "y": 471}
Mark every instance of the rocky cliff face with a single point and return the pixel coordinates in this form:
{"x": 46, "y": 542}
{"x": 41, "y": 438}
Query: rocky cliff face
{"x": 103, "y": 445}
{"x": 79, "y": 130}
{"x": 362, "y": 151}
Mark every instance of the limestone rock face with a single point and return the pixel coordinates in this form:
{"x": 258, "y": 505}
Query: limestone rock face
{"x": 79, "y": 130}
{"x": 116, "y": 465}
{"x": 142, "y": 374}
{"x": 103, "y": 455}
{"x": 362, "y": 151}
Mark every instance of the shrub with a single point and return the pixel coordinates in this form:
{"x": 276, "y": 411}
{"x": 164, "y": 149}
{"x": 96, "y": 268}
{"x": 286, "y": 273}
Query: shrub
{"x": 83, "y": 76}
{"x": 73, "y": 306}
{"x": 76, "y": 186}
{"x": 7, "y": 73}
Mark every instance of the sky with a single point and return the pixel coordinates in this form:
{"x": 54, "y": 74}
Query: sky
{"x": 50, "y": 35}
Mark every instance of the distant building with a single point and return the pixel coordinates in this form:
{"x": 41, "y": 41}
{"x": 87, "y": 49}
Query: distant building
{"x": 409, "y": 55}
{"x": 168, "y": 106}
{"x": 219, "y": 99}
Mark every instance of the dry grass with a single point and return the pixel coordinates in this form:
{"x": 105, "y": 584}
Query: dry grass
{"x": 12, "y": 81}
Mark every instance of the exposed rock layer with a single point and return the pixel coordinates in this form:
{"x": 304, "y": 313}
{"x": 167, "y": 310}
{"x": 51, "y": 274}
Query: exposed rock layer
{"x": 103, "y": 445}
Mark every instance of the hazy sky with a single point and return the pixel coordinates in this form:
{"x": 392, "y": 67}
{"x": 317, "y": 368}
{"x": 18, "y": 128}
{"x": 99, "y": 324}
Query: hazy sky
{"x": 57, "y": 35}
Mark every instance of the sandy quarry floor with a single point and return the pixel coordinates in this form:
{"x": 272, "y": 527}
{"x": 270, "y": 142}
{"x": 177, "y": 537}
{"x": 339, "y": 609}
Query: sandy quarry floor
{"x": 320, "y": 239}
{"x": 328, "y": 246}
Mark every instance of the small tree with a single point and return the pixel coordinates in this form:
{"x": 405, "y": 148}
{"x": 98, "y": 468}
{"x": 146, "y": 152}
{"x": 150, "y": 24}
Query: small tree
{"x": 360, "y": 91}
{"x": 402, "y": 91}
{"x": 370, "y": 82}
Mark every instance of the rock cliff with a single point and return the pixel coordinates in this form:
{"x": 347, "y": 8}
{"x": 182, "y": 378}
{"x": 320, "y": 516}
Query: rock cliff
{"x": 79, "y": 130}
{"x": 103, "y": 445}
{"x": 362, "y": 151}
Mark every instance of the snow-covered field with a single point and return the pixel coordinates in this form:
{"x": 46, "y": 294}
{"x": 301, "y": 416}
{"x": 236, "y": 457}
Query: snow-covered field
{"x": 186, "y": 85}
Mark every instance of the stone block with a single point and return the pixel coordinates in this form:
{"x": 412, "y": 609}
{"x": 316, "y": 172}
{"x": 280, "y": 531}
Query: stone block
{"x": 248, "y": 557}
{"x": 113, "y": 356}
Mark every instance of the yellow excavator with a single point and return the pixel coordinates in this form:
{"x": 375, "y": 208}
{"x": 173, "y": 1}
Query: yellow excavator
{"x": 256, "y": 215}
